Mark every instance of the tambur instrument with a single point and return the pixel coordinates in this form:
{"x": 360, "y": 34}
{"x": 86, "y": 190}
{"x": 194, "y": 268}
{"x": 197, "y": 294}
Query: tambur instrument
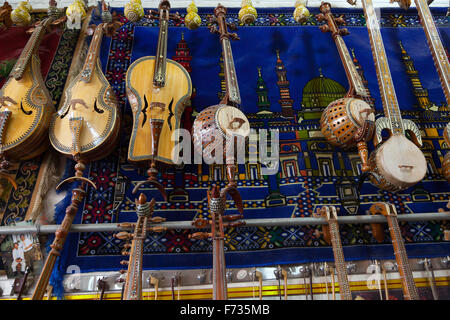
{"x": 349, "y": 121}
{"x": 389, "y": 211}
{"x": 157, "y": 89}
{"x": 398, "y": 163}
{"x": 333, "y": 237}
{"x": 133, "y": 283}
{"x": 86, "y": 128}
{"x": 25, "y": 104}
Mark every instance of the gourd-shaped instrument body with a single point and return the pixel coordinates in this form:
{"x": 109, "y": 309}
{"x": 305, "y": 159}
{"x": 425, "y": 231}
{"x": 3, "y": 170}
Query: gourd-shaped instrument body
{"x": 91, "y": 98}
{"x": 157, "y": 90}
{"x": 217, "y": 126}
{"x": 397, "y": 163}
{"x": 25, "y": 104}
{"x": 349, "y": 121}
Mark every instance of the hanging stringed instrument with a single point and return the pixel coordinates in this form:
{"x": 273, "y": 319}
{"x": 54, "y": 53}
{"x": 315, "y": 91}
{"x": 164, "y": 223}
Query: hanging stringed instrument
{"x": 219, "y": 128}
{"x": 144, "y": 210}
{"x": 332, "y": 236}
{"x": 157, "y": 89}
{"x": 25, "y": 103}
{"x": 86, "y": 127}
{"x": 349, "y": 121}
{"x": 219, "y": 221}
{"x": 398, "y": 163}
{"x": 434, "y": 42}
{"x": 389, "y": 211}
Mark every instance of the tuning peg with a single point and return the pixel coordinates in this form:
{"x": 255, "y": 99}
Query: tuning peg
{"x": 200, "y": 223}
{"x": 233, "y": 217}
{"x": 344, "y": 32}
{"x": 156, "y": 219}
{"x": 126, "y": 225}
{"x": 127, "y": 246}
{"x": 122, "y": 271}
{"x": 124, "y": 262}
{"x": 200, "y": 235}
{"x": 157, "y": 229}
{"x": 212, "y": 19}
{"x": 320, "y": 17}
{"x": 234, "y": 36}
{"x": 125, "y": 253}
{"x": 213, "y": 28}
{"x": 234, "y": 224}
{"x": 324, "y": 28}
{"x": 123, "y": 235}
{"x": 340, "y": 21}
{"x": 232, "y": 26}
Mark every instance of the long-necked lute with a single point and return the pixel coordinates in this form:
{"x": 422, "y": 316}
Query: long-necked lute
{"x": 85, "y": 127}
{"x": 398, "y": 163}
{"x": 349, "y": 121}
{"x": 389, "y": 211}
{"x": 157, "y": 90}
{"x": 218, "y": 223}
{"x": 133, "y": 283}
{"x": 434, "y": 42}
{"x": 25, "y": 104}
{"x": 332, "y": 236}
{"x": 222, "y": 128}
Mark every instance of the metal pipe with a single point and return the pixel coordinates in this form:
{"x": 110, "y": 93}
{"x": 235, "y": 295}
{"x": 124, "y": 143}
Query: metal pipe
{"x": 108, "y": 227}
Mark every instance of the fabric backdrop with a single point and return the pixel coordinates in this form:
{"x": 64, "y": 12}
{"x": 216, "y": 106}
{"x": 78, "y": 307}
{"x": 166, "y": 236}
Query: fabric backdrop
{"x": 310, "y": 169}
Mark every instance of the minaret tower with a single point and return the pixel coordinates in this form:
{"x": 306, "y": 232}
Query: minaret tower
{"x": 262, "y": 92}
{"x": 285, "y": 97}
{"x": 370, "y": 100}
{"x": 420, "y": 92}
{"x": 183, "y": 54}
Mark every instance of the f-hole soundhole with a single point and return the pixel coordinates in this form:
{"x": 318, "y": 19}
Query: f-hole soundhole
{"x": 23, "y": 110}
{"x": 96, "y": 108}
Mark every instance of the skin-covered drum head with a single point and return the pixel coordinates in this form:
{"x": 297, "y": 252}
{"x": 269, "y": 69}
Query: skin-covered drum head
{"x": 232, "y": 121}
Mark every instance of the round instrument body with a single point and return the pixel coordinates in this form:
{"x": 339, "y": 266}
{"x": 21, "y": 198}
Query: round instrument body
{"x": 342, "y": 118}
{"x": 24, "y": 134}
{"x": 397, "y": 164}
{"x": 95, "y": 102}
{"x": 215, "y": 121}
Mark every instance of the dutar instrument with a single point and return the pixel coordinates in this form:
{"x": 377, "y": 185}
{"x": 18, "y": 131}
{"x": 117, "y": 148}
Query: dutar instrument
{"x": 398, "y": 163}
{"x": 25, "y": 103}
{"x": 349, "y": 121}
{"x": 157, "y": 90}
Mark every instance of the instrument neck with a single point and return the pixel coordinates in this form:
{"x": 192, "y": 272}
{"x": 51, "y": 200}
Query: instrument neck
{"x": 30, "y": 49}
{"x": 219, "y": 269}
{"x": 409, "y": 287}
{"x": 341, "y": 267}
{"x": 437, "y": 49}
{"x": 93, "y": 53}
{"x": 385, "y": 83}
{"x": 133, "y": 284}
{"x": 159, "y": 76}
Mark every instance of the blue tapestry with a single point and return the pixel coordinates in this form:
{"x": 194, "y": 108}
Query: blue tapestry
{"x": 312, "y": 173}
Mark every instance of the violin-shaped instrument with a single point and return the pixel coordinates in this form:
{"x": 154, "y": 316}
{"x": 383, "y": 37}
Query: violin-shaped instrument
{"x": 217, "y": 205}
{"x": 25, "y": 103}
{"x": 349, "y": 121}
{"x": 86, "y": 127}
{"x": 144, "y": 210}
{"x": 388, "y": 210}
{"x": 397, "y": 163}
{"x": 157, "y": 90}
{"x": 333, "y": 237}
{"x": 219, "y": 127}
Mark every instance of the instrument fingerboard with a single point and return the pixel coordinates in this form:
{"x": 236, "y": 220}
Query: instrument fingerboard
{"x": 437, "y": 49}
{"x": 92, "y": 55}
{"x": 385, "y": 83}
{"x": 159, "y": 76}
{"x": 409, "y": 287}
{"x": 341, "y": 268}
{"x": 230, "y": 73}
{"x": 30, "y": 48}
{"x": 219, "y": 277}
{"x": 133, "y": 284}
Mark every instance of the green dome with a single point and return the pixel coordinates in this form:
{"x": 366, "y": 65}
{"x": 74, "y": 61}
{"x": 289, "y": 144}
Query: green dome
{"x": 320, "y": 91}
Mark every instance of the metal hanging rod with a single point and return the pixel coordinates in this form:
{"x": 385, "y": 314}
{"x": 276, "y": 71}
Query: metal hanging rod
{"x": 109, "y": 227}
